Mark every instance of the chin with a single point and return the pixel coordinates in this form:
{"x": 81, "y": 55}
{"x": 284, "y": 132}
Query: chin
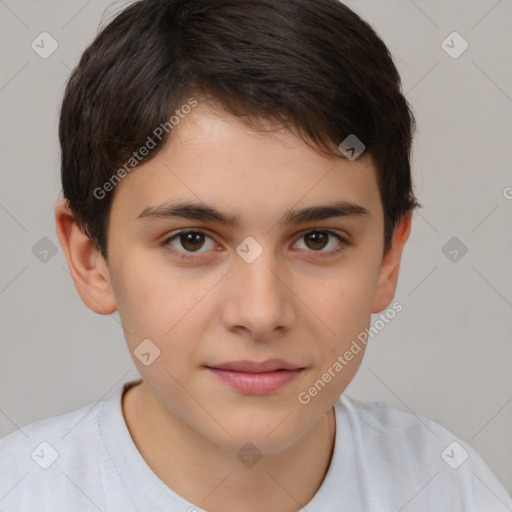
{"x": 250, "y": 432}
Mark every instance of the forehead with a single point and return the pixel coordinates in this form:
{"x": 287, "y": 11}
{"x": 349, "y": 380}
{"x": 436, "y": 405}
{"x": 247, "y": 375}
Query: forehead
{"x": 211, "y": 157}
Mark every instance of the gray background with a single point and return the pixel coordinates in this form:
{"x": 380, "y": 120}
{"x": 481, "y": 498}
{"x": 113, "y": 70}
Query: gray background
{"x": 447, "y": 355}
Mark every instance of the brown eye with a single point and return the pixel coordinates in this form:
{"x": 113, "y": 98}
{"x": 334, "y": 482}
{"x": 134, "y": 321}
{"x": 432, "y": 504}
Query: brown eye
{"x": 192, "y": 241}
{"x": 324, "y": 242}
{"x": 316, "y": 239}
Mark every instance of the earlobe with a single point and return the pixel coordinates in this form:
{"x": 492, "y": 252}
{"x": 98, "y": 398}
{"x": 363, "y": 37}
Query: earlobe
{"x": 86, "y": 265}
{"x": 390, "y": 266}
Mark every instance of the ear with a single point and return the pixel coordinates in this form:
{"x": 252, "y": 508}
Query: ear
{"x": 86, "y": 265}
{"x": 388, "y": 275}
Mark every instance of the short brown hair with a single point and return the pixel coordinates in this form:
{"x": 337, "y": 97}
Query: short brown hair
{"x": 313, "y": 66}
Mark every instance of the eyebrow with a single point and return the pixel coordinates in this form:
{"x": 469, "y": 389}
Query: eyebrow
{"x": 198, "y": 211}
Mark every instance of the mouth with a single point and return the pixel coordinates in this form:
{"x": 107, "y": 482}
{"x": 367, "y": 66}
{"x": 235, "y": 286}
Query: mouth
{"x": 270, "y": 365}
{"x": 256, "y": 378}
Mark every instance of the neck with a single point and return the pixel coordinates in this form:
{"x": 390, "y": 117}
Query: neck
{"x": 211, "y": 477}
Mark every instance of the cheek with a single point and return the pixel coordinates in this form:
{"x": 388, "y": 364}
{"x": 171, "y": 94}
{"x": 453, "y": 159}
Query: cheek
{"x": 344, "y": 300}
{"x": 143, "y": 295}
{"x": 344, "y": 304}
{"x": 163, "y": 304}
{"x": 345, "y": 308}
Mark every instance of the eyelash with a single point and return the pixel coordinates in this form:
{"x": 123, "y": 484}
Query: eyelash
{"x": 192, "y": 255}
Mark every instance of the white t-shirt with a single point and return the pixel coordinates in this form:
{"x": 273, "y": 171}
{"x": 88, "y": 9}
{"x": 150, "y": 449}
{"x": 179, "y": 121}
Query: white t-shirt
{"x": 383, "y": 460}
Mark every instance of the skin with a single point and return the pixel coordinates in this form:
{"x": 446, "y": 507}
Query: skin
{"x": 214, "y": 307}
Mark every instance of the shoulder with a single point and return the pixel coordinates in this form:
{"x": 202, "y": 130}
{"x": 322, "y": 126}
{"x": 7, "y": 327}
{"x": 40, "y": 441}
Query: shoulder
{"x": 396, "y": 446}
{"x": 396, "y": 438}
{"x": 56, "y": 428}
{"x": 38, "y": 440}
{"x": 381, "y": 418}
{"x": 50, "y": 453}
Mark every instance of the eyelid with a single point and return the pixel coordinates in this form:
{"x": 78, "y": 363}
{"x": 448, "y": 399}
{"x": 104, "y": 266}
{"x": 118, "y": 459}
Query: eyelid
{"x": 343, "y": 239}
{"x": 342, "y": 235}
{"x": 183, "y": 231}
{"x": 344, "y": 242}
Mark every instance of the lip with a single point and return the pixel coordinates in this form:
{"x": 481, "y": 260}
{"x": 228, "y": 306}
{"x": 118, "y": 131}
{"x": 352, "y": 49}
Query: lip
{"x": 268, "y": 365}
{"x": 256, "y": 378}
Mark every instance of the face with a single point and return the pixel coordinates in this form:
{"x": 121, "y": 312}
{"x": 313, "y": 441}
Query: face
{"x": 265, "y": 272}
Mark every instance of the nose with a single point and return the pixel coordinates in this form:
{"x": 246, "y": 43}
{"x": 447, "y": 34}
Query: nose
{"x": 259, "y": 300}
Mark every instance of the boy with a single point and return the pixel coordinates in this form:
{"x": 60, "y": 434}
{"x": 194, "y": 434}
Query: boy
{"x": 237, "y": 185}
